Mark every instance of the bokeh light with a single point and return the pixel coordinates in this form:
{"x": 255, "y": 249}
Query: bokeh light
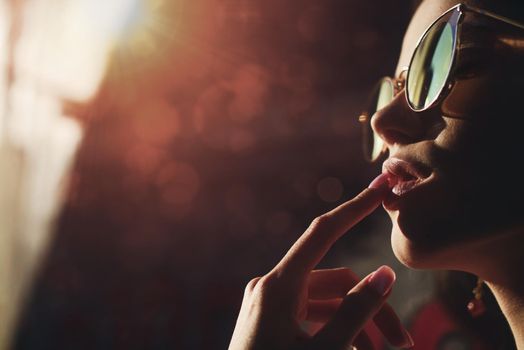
{"x": 330, "y": 189}
{"x": 177, "y": 149}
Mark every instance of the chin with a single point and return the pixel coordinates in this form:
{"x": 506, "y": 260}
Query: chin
{"x": 433, "y": 254}
{"x": 404, "y": 250}
{"x": 419, "y": 255}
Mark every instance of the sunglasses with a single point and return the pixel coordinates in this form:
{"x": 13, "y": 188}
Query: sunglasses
{"x": 428, "y": 78}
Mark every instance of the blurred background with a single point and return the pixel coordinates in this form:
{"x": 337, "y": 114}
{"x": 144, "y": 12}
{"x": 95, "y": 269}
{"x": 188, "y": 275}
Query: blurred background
{"x": 156, "y": 155}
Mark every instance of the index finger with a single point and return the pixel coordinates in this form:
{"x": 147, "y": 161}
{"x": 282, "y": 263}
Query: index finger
{"x": 314, "y": 243}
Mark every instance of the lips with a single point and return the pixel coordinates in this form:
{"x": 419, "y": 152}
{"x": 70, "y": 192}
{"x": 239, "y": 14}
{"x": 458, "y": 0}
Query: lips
{"x": 404, "y": 176}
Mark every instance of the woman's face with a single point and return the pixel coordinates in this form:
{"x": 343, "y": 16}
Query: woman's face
{"x": 465, "y": 153}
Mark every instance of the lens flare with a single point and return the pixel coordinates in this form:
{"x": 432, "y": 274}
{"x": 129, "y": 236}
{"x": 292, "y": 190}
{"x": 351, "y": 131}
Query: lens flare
{"x": 53, "y": 51}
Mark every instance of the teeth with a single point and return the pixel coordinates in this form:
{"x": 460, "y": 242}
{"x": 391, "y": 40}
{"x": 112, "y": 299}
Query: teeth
{"x": 402, "y": 187}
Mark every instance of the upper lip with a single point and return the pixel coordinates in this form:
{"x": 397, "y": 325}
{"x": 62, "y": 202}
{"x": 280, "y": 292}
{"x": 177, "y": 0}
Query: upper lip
{"x": 405, "y": 170}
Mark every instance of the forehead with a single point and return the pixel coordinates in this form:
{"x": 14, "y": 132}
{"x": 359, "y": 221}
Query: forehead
{"x": 425, "y": 15}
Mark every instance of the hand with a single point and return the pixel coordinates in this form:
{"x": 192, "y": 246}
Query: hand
{"x": 275, "y": 305}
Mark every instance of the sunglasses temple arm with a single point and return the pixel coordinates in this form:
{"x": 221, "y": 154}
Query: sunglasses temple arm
{"x": 496, "y": 16}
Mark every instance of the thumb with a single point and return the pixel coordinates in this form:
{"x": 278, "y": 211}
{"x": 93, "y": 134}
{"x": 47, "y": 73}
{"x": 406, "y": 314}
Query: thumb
{"x": 360, "y": 305}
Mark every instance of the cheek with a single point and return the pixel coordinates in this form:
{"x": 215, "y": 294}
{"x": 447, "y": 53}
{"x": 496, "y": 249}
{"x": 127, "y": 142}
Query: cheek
{"x": 479, "y": 191}
{"x": 469, "y": 97}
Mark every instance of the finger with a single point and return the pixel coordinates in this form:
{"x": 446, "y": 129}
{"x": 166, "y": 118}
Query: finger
{"x": 389, "y": 324}
{"x": 314, "y": 243}
{"x": 386, "y": 320}
{"x": 359, "y": 306}
{"x": 334, "y": 283}
{"x": 309, "y": 329}
{"x": 363, "y": 341}
{"x": 321, "y": 311}
{"x": 331, "y": 283}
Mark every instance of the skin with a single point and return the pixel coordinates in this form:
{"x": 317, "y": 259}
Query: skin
{"x": 465, "y": 154}
{"x": 471, "y": 222}
{"x": 275, "y": 305}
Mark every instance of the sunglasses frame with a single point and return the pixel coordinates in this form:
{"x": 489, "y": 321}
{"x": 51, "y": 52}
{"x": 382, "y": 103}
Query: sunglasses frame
{"x": 454, "y": 20}
{"x": 400, "y": 83}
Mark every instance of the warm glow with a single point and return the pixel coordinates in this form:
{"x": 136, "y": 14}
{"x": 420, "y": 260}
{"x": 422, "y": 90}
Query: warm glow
{"x": 60, "y": 52}
{"x": 68, "y": 50}
{"x": 144, "y": 141}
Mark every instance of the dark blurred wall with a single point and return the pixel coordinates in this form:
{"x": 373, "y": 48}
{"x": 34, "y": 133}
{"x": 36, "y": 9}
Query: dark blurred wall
{"x": 203, "y": 159}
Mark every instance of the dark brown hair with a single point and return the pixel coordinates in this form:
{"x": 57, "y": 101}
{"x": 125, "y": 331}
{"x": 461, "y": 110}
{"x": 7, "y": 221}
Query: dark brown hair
{"x": 513, "y": 9}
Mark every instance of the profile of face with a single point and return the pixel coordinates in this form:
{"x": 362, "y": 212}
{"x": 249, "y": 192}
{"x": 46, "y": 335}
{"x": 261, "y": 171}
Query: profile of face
{"x": 465, "y": 152}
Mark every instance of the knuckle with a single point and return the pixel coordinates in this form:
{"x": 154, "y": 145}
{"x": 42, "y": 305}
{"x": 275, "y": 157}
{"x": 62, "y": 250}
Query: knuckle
{"x": 266, "y": 284}
{"x": 252, "y": 284}
{"x": 321, "y": 222}
{"x": 274, "y": 285}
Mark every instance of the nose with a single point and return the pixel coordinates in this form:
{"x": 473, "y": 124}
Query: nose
{"x": 397, "y": 124}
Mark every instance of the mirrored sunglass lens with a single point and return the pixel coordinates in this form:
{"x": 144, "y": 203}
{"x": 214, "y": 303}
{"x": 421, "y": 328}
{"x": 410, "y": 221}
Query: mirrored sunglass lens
{"x": 382, "y": 96}
{"x": 431, "y": 63}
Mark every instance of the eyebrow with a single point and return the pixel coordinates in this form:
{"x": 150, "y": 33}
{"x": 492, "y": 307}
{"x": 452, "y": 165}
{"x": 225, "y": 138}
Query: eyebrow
{"x": 498, "y": 41}
{"x": 516, "y": 43}
{"x": 511, "y": 43}
{"x": 476, "y": 34}
{"x": 496, "y": 16}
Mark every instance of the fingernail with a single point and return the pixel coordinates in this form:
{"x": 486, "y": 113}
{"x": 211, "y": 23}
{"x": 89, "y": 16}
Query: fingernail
{"x": 408, "y": 340}
{"x": 379, "y": 181}
{"x": 382, "y": 280}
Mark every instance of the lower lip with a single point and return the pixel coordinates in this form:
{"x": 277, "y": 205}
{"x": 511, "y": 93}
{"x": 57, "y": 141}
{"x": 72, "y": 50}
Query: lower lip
{"x": 399, "y": 190}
